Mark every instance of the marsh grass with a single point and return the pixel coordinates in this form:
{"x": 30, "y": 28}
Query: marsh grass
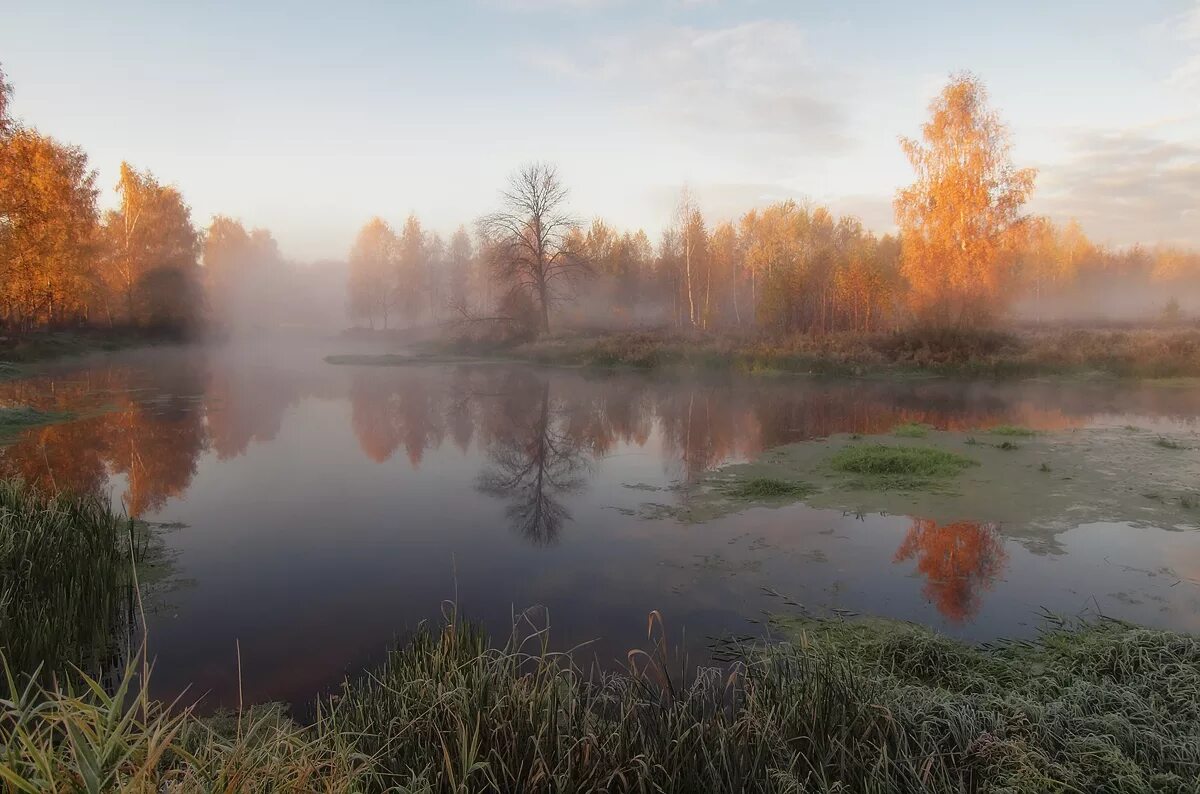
{"x": 769, "y": 488}
{"x": 870, "y": 706}
{"x": 66, "y": 568}
{"x": 911, "y": 430}
{"x": 898, "y": 467}
{"x": 1012, "y": 430}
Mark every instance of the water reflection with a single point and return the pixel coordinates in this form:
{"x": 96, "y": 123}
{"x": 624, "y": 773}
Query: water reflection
{"x": 958, "y": 560}
{"x": 383, "y": 484}
{"x": 536, "y": 458}
{"x": 149, "y": 443}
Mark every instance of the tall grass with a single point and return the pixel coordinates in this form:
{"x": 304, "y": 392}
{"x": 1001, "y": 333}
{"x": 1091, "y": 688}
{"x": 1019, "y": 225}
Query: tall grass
{"x": 873, "y": 706}
{"x": 65, "y": 580}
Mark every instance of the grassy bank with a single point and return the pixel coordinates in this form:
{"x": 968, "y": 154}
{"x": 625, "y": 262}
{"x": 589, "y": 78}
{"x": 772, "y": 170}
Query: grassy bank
{"x": 66, "y": 578}
{"x": 38, "y": 346}
{"x": 1142, "y": 353}
{"x": 838, "y": 706}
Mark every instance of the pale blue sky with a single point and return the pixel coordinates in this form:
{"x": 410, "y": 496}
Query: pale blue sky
{"x": 310, "y": 118}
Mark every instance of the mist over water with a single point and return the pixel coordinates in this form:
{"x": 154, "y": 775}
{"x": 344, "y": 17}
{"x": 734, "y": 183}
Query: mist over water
{"x": 313, "y": 513}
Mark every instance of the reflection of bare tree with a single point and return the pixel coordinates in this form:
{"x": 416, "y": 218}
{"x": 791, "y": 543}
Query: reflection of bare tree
{"x": 958, "y": 560}
{"x": 534, "y": 461}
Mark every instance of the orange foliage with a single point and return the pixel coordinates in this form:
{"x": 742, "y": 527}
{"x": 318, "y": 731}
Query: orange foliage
{"x": 960, "y": 218}
{"x": 958, "y": 560}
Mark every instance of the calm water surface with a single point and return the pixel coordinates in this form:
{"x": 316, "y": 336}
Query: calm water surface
{"x": 314, "y": 513}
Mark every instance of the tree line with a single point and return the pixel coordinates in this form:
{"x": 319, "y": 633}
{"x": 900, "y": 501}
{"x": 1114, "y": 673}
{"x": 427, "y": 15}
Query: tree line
{"x": 966, "y": 253}
{"x": 142, "y": 264}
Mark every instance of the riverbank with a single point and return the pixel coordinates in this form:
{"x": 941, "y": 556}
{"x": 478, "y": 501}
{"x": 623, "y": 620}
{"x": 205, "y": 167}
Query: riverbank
{"x": 42, "y": 346}
{"x": 834, "y": 706}
{"x": 1121, "y": 353}
{"x": 813, "y": 705}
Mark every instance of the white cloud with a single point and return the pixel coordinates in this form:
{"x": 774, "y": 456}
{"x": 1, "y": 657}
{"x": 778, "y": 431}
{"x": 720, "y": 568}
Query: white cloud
{"x": 754, "y": 79}
{"x": 1127, "y": 187}
{"x": 1186, "y": 28}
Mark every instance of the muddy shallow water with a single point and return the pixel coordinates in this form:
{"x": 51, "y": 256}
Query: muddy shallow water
{"x": 314, "y": 512}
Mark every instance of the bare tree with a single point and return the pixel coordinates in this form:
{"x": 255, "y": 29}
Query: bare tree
{"x": 529, "y": 237}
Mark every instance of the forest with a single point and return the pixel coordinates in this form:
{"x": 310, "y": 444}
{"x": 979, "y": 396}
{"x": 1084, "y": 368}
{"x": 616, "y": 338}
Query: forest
{"x": 966, "y": 253}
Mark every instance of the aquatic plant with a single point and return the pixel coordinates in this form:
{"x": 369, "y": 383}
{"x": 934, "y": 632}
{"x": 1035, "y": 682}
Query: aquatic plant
{"x": 1012, "y": 430}
{"x": 911, "y": 430}
{"x": 1168, "y": 443}
{"x": 66, "y": 566}
{"x": 899, "y": 466}
{"x": 769, "y": 488}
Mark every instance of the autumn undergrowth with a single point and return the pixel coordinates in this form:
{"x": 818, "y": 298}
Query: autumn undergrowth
{"x": 967, "y": 352}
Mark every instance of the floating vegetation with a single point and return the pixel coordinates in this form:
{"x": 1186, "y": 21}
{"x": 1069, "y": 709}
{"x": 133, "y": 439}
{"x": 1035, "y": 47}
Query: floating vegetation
{"x": 1007, "y": 446}
{"x": 1012, "y": 430}
{"x": 1168, "y": 443}
{"x": 911, "y": 430}
{"x": 1045, "y": 467}
{"x": 769, "y": 488}
{"x": 884, "y": 459}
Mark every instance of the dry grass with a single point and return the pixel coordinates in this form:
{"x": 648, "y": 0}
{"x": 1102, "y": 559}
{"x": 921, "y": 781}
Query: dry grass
{"x": 1143, "y": 353}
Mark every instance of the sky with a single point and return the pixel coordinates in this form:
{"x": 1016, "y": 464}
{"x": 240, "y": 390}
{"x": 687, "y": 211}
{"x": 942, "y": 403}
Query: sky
{"x": 309, "y": 119}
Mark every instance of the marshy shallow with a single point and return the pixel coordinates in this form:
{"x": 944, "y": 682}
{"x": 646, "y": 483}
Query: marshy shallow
{"x": 312, "y": 512}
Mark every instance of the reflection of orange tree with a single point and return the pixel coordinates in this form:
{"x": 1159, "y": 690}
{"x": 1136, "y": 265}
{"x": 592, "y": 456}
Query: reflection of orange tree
{"x": 153, "y": 443}
{"x": 392, "y": 408}
{"x": 957, "y": 560}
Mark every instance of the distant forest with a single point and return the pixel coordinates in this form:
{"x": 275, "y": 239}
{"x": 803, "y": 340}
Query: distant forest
{"x": 966, "y": 254}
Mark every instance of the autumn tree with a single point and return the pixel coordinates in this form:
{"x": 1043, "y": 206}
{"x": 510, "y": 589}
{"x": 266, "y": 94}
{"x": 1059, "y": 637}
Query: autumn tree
{"x": 413, "y": 272}
{"x": 241, "y": 271}
{"x": 152, "y": 251}
{"x": 958, "y": 219}
{"x": 5, "y": 99}
{"x": 529, "y": 238}
{"x": 460, "y": 256}
{"x": 373, "y": 272}
{"x": 48, "y": 230}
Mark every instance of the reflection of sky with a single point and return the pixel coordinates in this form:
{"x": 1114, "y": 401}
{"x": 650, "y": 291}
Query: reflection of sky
{"x": 312, "y": 556}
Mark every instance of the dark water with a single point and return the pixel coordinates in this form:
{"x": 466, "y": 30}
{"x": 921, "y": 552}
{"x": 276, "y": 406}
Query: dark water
{"x": 323, "y": 511}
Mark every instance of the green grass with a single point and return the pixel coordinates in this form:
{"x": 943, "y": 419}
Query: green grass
{"x": 1012, "y": 430}
{"x": 769, "y": 488}
{"x": 65, "y": 575}
{"x": 911, "y": 430}
{"x": 839, "y": 706}
{"x": 881, "y": 459}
